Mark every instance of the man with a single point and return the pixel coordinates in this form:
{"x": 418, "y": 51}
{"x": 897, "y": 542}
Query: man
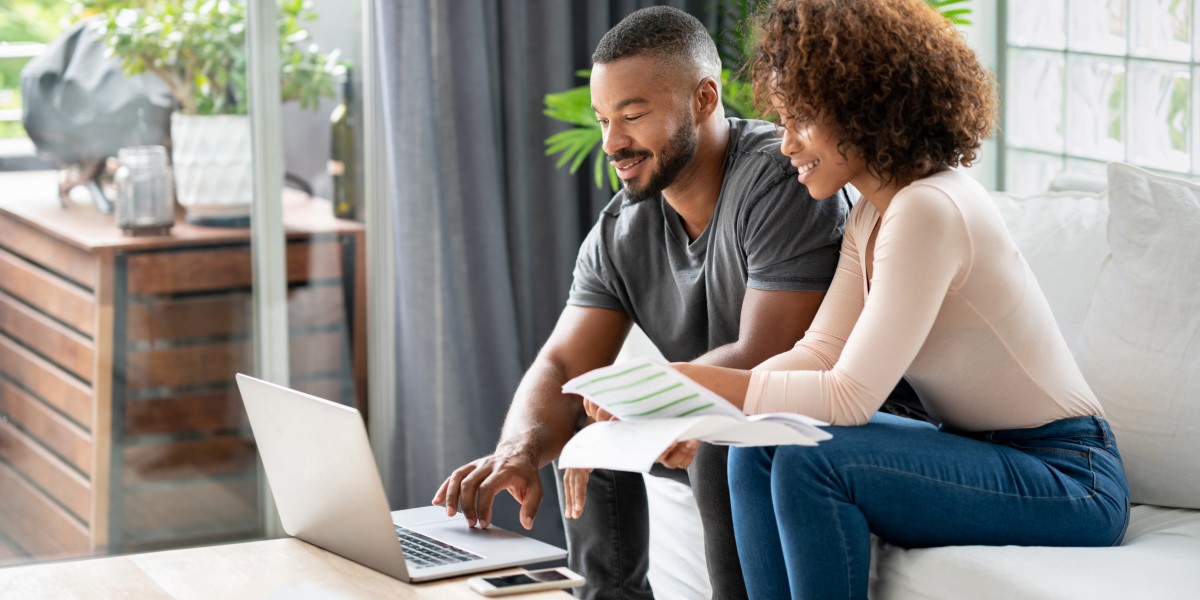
{"x": 712, "y": 247}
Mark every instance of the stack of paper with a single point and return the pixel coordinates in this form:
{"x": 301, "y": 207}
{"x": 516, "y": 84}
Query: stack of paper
{"x": 657, "y": 406}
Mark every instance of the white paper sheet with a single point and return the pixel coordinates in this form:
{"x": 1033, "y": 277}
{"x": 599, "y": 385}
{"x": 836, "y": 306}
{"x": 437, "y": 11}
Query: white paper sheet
{"x": 657, "y": 405}
{"x": 648, "y": 389}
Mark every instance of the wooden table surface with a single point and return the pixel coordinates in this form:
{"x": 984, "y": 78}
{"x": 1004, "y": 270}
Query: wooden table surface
{"x": 281, "y": 569}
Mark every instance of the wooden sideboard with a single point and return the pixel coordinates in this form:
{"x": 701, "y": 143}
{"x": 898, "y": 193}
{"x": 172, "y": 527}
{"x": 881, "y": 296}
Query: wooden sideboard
{"x": 120, "y": 426}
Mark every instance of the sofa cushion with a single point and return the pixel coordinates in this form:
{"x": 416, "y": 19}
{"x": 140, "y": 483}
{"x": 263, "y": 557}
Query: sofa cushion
{"x": 1139, "y": 348}
{"x": 1158, "y": 559}
{"x": 677, "y": 563}
{"x": 1062, "y": 237}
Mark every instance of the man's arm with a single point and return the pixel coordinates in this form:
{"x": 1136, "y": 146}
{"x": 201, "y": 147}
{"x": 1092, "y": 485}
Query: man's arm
{"x": 540, "y": 420}
{"x": 771, "y": 323}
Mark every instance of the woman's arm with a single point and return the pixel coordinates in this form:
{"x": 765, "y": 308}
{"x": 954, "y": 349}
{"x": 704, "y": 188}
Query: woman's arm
{"x": 822, "y": 343}
{"x": 725, "y": 382}
{"x": 921, "y": 249}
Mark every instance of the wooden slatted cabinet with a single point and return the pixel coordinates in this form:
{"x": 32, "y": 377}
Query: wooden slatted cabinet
{"x": 120, "y": 427}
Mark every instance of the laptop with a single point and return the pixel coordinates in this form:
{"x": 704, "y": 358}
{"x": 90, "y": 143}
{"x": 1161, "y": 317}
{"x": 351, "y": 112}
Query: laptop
{"x": 329, "y": 494}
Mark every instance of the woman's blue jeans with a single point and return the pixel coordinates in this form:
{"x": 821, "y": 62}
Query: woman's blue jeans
{"x": 803, "y": 515}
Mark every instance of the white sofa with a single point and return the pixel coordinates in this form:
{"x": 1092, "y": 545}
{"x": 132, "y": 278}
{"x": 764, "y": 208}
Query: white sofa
{"x": 1125, "y": 289}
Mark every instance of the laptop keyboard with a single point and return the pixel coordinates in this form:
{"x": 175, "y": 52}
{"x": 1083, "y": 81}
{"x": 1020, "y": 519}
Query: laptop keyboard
{"x": 423, "y": 551}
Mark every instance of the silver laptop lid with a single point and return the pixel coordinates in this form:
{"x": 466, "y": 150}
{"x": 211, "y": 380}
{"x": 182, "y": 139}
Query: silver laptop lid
{"x": 322, "y": 473}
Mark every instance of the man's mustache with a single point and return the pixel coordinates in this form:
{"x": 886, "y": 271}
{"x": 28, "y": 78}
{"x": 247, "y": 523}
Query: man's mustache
{"x": 627, "y": 155}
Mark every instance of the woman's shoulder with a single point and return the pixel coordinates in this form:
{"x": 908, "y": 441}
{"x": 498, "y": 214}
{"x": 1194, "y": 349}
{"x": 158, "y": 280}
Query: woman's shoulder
{"x": 940, "y": 196}
{"x": 952, "y": 186}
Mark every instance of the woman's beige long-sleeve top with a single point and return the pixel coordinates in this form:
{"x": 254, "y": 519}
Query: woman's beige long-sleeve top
{"x": 950, "y": 304}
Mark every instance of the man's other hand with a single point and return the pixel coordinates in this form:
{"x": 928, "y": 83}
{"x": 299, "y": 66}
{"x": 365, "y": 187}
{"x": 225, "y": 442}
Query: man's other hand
{"x": 575, "y": 491}
{"x": 473, "y": 487}
{"x": 680, "y": 454}
{"x": 596, "y": 413}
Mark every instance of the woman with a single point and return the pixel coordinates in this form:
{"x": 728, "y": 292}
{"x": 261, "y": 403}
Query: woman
{"x": 885, "y": 94}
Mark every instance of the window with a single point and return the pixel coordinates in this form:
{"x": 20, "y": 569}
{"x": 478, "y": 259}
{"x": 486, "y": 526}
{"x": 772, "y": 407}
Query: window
{"x": 25, "y": 27}
{"x": 1091, "y": 81}
{"x": 121, "y": 429}
{"x": 13, "y": 56}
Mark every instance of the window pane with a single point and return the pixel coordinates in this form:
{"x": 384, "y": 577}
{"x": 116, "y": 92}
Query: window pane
{"x": 1195, "y": 35}
{"x": 21, "y": 38}
{"x": 1034, "y": 100}
{"x": 10, "y": 97}
{"x": 121, "y": 429}
{"x": 1196, "y": 117}
{"x": 1098, "y": 26}
{"x": 1087, "y": 168}
{"x": 1038, "y": 23}
{"x": 1029, "y": 173}
{"x": 1162, "y": 29}
{"x": 1096, "y": 107}
{"x": 1158, "y": 115}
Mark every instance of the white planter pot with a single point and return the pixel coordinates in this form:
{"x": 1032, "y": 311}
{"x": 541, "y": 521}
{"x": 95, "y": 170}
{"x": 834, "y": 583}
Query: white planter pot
{"x": 214, "y": 179}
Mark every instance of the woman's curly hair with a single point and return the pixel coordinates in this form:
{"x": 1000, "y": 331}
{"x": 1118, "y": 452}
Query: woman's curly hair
{"x": 893, "y": 76}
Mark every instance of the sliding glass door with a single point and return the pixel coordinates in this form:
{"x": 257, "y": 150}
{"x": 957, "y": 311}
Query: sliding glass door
{"x": 154, "y": 245}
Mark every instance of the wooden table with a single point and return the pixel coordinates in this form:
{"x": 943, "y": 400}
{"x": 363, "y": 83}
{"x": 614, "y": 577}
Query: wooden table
{"x": 276, "y": 569}
{"x": 121, "y": 429}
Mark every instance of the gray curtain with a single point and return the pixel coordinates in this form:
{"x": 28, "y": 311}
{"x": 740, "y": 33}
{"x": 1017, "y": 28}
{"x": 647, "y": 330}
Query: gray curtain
{"x": 486, "y": 228}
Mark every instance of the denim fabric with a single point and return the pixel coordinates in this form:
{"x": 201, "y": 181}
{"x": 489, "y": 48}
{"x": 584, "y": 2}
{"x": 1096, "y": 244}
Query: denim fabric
{"x": 803, "y": 515}
{"x": 609, "y": 544}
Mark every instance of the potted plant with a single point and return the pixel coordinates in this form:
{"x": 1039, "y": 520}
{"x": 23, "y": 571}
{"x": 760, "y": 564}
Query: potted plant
{"x": 574, "y": 106}
{"x": 198, "y": 48}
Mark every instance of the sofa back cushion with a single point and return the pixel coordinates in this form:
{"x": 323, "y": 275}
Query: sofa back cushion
{"x": 1062, "y": 236}
{"x": 1139, "y": 347}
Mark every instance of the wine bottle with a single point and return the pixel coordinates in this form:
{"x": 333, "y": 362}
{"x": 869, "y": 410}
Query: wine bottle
{"x": 343, "y": 160}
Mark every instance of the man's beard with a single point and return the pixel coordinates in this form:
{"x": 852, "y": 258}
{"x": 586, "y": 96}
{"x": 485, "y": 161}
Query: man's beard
{"x": 677, "y": 154}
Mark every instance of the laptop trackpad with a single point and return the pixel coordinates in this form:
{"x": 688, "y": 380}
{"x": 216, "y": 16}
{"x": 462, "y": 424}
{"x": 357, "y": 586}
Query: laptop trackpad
{"x": 432, "y": 521}
{"x": 477, "y": 540}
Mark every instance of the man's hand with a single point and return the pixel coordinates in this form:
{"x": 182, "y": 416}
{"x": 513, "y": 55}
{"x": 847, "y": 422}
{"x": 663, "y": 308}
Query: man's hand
{"x": 473, "y": 487}
{"x": 680, "y": 455}
{"x": 575, "y": 491}
{"x": 596, "y": 413}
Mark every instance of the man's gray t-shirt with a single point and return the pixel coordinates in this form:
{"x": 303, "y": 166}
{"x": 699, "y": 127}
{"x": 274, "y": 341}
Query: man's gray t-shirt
{"x": 766, "y": 233}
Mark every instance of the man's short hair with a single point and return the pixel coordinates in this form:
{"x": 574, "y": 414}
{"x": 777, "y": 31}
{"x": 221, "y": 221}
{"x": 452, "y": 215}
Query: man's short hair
{"x": 666, "y": 33}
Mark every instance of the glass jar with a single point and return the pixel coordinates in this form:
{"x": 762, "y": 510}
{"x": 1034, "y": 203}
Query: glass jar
{"x": 145, "y": 191}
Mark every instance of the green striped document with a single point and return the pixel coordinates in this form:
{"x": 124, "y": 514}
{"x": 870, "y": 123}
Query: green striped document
{"x": 656, "y": 406}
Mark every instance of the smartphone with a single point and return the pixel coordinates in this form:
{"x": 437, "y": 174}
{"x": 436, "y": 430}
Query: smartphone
{"x": 526, "y": 581}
